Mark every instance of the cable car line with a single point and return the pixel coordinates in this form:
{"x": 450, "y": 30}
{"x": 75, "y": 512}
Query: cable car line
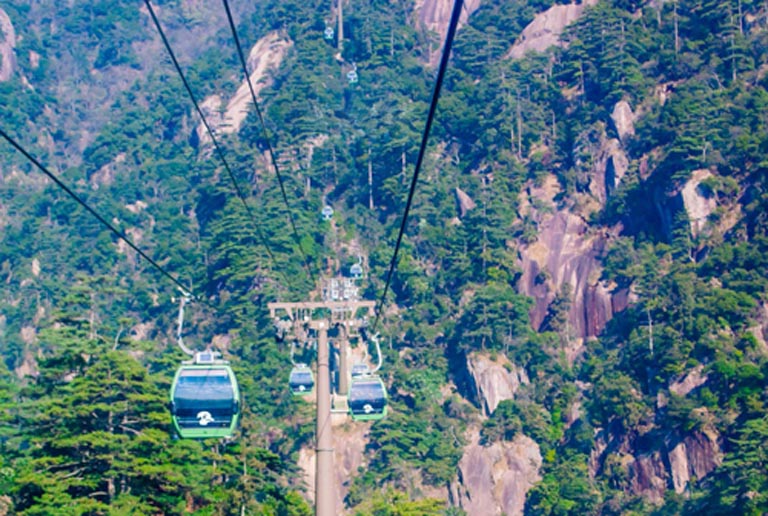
{"x": 266, "y": 137}
{"x": 216, "y": 145}
{"x": 422, "y": 149}
{"x": 93, "y": 212}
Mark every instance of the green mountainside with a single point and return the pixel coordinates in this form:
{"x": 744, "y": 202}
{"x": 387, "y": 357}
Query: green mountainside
{"x": 590, "y": 224}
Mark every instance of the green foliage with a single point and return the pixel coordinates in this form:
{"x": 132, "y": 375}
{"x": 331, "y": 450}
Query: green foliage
{"x": 393, "y": 503}
{"x": 617, "y": 398}
{"x": 496, "y": 318}
{"x": 96, "y": 430}
{"x": 511, "y": 417}
{"x": 433, "y": 446}
{"x": 605, "y": 54}
{"x": 567, "y": 489}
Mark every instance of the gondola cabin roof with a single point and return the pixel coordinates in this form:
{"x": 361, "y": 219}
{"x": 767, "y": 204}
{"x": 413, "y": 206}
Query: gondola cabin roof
{"x": 360, "y": 370}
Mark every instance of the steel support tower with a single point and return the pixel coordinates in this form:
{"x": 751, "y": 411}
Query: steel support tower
{"x": 341, "y": 309}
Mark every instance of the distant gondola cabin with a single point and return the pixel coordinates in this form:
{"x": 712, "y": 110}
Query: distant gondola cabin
{"x": 205, "y": 401}
{"x": 301, "y": 380}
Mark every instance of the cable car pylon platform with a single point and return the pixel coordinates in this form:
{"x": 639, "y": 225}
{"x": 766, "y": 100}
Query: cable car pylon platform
{"x": 339, "y": 409}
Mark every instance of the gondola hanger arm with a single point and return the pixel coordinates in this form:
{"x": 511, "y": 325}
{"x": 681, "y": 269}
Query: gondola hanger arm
{"x": 184, "y": 299}
{"x": 375, "y": 339}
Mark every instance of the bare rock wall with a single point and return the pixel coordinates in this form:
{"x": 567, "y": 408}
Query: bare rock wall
{"x": 651, "y": 468}
{"x": 495, "y": 479}
{"x": 565, "y": 252}
{"x": 264, "y": 57}
{"x": 349, "y": 442}
{"x": 435, "y": 15}
{"x": 494, "y": 380}
{"x": 7, "y": 46}
{"x": 544, "y": 31}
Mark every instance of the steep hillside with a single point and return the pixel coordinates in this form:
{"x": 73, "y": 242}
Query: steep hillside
{"x": 579, "y": 316}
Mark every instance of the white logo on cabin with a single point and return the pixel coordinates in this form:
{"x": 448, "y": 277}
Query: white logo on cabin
{"x": 204, "y": 418}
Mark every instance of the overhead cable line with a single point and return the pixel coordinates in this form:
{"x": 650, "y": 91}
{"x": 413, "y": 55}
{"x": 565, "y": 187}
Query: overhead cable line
{"x": 216, "y": 145}
{"x": 93, "y": 212}
{"x": 266, "y": 137}
{"x": 422, "y": 150}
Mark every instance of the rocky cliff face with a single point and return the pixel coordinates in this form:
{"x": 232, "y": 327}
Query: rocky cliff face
{"x": 650, "y": 467}
{"x": 495, "y": 479}
{"x": 492, "y": 381}
{"x": 349, "y": 441}
{"x": 7, "y": 46}
{"x": 544, "y": 31}
{"x": 566, "y": 251}
{"x": 263, "y": 58}
{"x": 435, "y": 15}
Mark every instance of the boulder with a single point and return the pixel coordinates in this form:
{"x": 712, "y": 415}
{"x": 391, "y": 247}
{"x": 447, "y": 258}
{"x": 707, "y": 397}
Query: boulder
{"x": 464, "y": 201}
{"x": 698, "y": 203}
{"x": 694, "y": 456}
{"x": 623, "y": 120}
{"x": 690, "y": 381}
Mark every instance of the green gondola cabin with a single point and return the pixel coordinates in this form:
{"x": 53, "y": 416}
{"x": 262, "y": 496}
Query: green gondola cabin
{"x": 367, "y": 399}
{"x": 205, "y": 399}
{"x": 301, "y": 381}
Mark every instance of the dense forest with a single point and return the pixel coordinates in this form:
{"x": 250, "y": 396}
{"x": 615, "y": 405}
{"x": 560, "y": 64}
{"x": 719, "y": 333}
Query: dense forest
{"x": 591, "y": 219}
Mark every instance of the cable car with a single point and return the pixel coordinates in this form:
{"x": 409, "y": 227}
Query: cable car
{"x": 352, "y": 76}
{"x": 301, "y": 380}
{"x": 328, "y": 33}
{"x": 356, "y": 271}
{"x": 367, "y": 399}
{"x": 205, "y": 399}
{"x": 327, "y": 212}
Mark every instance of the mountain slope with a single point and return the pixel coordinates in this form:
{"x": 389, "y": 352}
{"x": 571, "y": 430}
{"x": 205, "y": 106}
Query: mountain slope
{"x": 581, "y": 296}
